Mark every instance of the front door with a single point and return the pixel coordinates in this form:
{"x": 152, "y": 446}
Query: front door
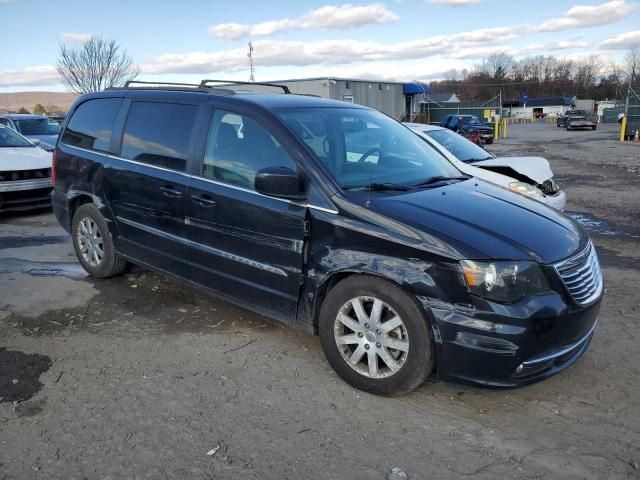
{"x": 244, "y": 245}
{"x": 156, "y": 145}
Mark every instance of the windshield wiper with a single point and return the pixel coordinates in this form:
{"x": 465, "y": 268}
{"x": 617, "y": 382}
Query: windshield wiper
{"x": 377, "y": 187}
{"x": 438, "y": 179}
{"x": 472, "y": 160}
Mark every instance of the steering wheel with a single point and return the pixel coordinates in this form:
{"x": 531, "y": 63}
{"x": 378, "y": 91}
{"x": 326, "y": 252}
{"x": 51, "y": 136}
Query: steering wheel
{"x": 370, "y": 152}
{"x": 325, "y": 145}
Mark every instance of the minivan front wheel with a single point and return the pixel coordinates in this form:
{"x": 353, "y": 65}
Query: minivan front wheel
{"x": 375, "y": 336}
{"x": 93, "y": 243}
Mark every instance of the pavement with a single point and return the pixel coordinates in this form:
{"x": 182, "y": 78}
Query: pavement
{"x": 140, "y": 377}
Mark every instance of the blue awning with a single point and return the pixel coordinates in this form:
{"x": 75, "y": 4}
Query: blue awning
{"x": 414, "y": 88}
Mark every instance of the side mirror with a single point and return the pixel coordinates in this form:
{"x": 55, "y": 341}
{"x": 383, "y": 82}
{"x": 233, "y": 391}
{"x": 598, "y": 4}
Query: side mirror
{"x": 35, "y": 141}
{"x": 279, "y": 182}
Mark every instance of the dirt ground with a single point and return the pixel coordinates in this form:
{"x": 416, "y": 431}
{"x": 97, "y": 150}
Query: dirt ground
{"x": 138, "y": 377}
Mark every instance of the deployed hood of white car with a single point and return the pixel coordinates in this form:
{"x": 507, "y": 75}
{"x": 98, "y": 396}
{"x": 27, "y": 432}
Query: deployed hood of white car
{"x": 23, "y": 158}
{"x": 536, "y": 168}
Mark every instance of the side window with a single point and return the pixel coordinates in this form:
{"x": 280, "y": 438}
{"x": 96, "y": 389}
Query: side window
{"x": 5, "y": 122}
{"x": 158, "y": 134}
{"x": 238, "y": 148}
{"x": 91, "y": 124}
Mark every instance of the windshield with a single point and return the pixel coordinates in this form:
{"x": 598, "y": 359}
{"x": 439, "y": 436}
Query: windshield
{"x": 460, "y": 147}
{"x": 9, "y": 138}
{"x": 365, "y": 147}
{"x": 38, "y": 126}
{"x": 471, "y": 120}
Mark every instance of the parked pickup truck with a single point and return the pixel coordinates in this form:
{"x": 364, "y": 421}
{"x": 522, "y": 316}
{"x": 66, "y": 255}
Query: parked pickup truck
{"x": 468, "y": 124}
{"x": 576, "y": 119}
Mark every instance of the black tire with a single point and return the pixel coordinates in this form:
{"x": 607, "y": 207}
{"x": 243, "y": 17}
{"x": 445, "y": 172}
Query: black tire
{"x": 418, "y": 360}
{"x": 489, "y": 140}
{"x": 593, "y": 128}
{"x": 568, "y": 128}
{"x": 111, "y": 263}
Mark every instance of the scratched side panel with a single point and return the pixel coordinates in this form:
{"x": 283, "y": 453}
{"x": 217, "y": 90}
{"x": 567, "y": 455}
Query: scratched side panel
{"x": 344, "y": 244}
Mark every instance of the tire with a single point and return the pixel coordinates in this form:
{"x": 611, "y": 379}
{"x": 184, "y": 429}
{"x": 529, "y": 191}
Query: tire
{"x": 568, "y": 128}
{"x": 391, "y": 371}
{"x": 86, "y": 219}
{"x": 489, "y": 141}
{"x": 594, "y": 127}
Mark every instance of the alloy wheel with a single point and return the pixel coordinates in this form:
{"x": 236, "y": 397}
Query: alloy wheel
{"x": 371, "y": 337}
{"x": 90, "y": 241}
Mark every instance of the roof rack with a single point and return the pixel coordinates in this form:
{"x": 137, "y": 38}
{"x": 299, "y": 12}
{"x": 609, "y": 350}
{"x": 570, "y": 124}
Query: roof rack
{"x": 168, "y": 84}
{"x": 177, "y": 86}
{"x": 204, "y": 84}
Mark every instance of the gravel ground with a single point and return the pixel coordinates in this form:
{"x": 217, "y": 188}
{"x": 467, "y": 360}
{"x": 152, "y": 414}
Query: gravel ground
{"x": 138, "y": 377}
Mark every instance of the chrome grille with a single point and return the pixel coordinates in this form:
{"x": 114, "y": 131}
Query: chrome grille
{"x": 582, "y": 276}
{"x": 16, "y": 175}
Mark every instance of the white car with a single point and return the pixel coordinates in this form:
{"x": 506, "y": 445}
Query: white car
{"x": 25, "y": 173}
{"x": 530, "y": 176}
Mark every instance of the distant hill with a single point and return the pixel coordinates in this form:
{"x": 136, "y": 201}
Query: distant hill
{"x": 13, "y": 101}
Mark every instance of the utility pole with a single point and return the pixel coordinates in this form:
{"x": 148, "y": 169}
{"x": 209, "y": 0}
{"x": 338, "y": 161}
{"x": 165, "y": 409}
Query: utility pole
{"x": 251, "y": 67}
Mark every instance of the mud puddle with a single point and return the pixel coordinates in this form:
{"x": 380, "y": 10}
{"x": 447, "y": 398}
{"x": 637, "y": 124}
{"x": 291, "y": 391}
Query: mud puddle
{"x": 599, "y": 226}
{"x": 18, "y": 241}
{"x": 20, "y": 374}
{"x": 71, "y": 270}
{"x": 140, "y": 302}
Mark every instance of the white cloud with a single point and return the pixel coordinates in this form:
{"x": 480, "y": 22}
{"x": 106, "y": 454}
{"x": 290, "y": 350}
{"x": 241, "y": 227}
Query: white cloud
{"x": 327, "y": 17}
{"x": 329, "y": 52}
{"x": 552, "y": 46}
{"x": 581, "y": 16}
{"x": 75, "y": 37}
{"x": 454, "y": 3}
{"x": 623, "y": 41}
{"x": 30, "y": 76}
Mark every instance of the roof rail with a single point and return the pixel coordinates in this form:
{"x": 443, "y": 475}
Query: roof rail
{"x": 168, "y": 84}
{"x": 203, "y": 84}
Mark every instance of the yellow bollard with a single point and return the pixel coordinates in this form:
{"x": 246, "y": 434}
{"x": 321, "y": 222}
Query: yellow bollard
{"x": 496, "y": 129}
{"x": 623, "y": 128}
{"x": 504, "y": 128}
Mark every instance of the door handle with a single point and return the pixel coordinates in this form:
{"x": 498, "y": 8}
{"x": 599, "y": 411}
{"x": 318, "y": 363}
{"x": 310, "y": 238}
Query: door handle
{"x": 204, "y": 200}
{"x": 169, "y": 191}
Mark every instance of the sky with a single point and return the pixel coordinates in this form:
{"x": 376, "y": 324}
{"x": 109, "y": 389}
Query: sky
{"x": 403, "y": 40}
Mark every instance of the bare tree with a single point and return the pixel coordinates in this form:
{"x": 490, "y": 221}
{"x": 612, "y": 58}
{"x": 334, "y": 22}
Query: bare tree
{"x": 631, "y": 66}
{"x": 95, "y": 65}
{"x": 498, "y": 66}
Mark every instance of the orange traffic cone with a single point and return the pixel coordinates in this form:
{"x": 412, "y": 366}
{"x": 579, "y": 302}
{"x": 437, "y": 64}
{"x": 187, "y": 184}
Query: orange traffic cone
{"x": 636, "y": 137}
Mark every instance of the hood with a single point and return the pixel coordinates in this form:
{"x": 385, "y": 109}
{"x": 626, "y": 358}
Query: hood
{"x": 536, "y": 168}
{"x": 488, "y": 219}
{"x": 24, "y": 158}
{"x": 45, "y": 139}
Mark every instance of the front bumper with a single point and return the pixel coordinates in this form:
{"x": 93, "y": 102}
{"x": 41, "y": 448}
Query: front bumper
{"x": 510, "y": 345}
{"x": 557, "y": 201}
{"x": 21, "y": 195}
{"x": 580, "y": 124}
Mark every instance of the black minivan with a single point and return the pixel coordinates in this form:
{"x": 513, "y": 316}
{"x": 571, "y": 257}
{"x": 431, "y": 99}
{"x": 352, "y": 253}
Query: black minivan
{"x": 335, "y": 218}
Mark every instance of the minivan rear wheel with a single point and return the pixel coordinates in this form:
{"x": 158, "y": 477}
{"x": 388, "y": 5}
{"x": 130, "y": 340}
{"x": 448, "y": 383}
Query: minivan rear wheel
{"x": 376, "y": 336}
{"x": 93, "y": 243}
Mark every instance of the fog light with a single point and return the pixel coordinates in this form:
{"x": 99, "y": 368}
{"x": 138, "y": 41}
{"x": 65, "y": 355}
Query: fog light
{"x": 520, "y": 368}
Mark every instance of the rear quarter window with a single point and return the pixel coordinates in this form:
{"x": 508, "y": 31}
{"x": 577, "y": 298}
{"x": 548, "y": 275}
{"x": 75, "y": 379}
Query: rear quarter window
{"x": 92, "y": 123}
{"x": 158, "y": 134}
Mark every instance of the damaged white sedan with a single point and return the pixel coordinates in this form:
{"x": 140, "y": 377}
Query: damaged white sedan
{"x": 530, "y": 176}
{"x": 25, "y": 173}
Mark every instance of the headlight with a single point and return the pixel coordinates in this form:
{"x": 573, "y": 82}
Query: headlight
{"x": 526, "y": 189}
{"x": 504, "y": 282}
